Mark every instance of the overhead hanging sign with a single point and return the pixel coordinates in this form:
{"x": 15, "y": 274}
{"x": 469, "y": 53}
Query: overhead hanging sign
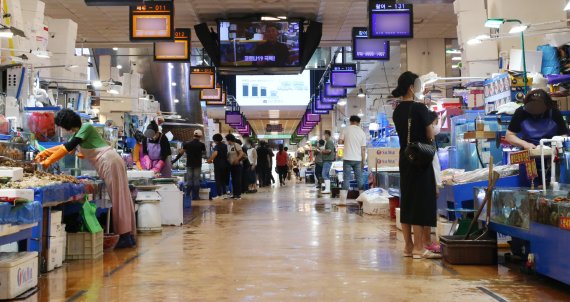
{"x": 153, "y": 21}
{"x": 177, "y": 51}
{"x": 202, "y": 78}
{"x": 113, "y": 2}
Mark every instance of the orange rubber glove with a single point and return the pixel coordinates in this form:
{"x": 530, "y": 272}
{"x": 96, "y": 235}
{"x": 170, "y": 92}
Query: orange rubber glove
{"x": 47, "y": 153}
{"x": 56, "y": 156}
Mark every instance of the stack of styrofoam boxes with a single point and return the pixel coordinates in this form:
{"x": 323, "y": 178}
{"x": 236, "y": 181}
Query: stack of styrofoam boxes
{"x": 57, "y": 239}
{"x": 18, "y": 273}
{"x": 479, "y": 60}
{"x": 33, "y": 15}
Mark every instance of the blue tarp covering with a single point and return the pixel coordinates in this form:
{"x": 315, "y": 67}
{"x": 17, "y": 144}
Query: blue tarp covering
{"x": 22, "y": 213}
{"x": 58, "y": 193}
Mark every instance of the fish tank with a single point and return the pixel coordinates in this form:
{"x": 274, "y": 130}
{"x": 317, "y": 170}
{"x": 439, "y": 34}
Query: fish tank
{"x": 511, "y": 206}
{"x": 546, "y": 207}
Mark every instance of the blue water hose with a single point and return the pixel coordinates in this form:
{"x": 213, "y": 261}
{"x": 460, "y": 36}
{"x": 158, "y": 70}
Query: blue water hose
{"x": 21, "y": 83}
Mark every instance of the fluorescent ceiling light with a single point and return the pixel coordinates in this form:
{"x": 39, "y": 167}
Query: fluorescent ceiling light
{"x": 282, "y": 17}
{"x": 567, "y": 6}
{"x": 360, "y": 114}
{"x": 343, "y": 125}
{"x": 97, "y": 84}
{"x": 456, "y": 59}
{"x": 342, "y": 102}
{"x": 268, "y": 18}
{"x": 176, "y": 101}
{"x": 173, "y": 84}
{"x": 453, "y": 51}
{"x": 518, "y": 29}
{"x": 6, "y": 33}
{"x": 494, "y": 23}
{"x": 41, "y": 54}
{"x": 361, "y": 93}
{"x": 115, "y": 48}
{"x": 119, "y": 66}
{"x": 455, "y": 66}
{"x": 474, "y": 41}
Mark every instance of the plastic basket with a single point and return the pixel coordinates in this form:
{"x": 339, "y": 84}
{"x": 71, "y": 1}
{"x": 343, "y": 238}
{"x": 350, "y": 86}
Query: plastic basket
{"x": 84, "y": 246}
{"x": 456, "y": 250}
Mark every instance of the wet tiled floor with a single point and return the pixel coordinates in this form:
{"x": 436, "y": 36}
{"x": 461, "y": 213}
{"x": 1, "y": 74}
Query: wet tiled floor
{"x": 283, "y": 244}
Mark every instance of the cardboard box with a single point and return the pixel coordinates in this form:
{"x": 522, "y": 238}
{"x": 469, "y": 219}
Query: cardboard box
{"x": 476, "y": 98}
{"x": 18, "y": 273}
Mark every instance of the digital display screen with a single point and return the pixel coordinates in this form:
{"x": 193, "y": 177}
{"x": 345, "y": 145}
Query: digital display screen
{"x": 343, "y": 75}
{"x": 334, "y": 92}
{"x": 391, "y": 20}
{"x": 328, "y": 100}
{"x": 233, "y": 118}
{"x": 312, "y": 117}
{"x": 259, "y": 43}
{"x": 211, "y": 95}
{"x": 152, "y": 21}
{"x": 113, "y": 2}
{"x": 274, "y": 90}
{"x": 364, "y": 48}
{"x": 202, "y": 78}
{"x": 322, "y": 106}
{"x": 314, "y": 109}
{"x": 177, "y": 51}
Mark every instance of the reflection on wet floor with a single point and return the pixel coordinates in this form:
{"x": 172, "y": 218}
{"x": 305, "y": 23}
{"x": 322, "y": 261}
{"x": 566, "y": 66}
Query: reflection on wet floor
{"x": 283, "y": 244}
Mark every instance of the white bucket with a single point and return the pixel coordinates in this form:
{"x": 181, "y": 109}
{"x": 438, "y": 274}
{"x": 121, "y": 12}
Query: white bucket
{"x": 205, "y": 193}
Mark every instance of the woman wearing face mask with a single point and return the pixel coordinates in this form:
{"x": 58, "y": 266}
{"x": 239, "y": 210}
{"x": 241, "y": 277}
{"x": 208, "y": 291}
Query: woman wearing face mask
{"x": 418, "y": 206}
{"x": 157, "y": 152}
{"x": 536, "y": 120}
{"x": 109, "y": 165}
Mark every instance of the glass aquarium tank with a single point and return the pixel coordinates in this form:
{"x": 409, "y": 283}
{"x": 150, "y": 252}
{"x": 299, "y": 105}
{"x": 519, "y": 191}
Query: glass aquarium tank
{"x": 510, "y": 206}
{"x": 546, "y": 207}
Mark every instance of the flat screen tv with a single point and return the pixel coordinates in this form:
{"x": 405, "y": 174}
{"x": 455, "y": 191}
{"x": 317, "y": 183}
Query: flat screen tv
{"x": 320, "y": 105}
{"x": 328, "y": 100}
{"x": 211, "y": 95}
{"x": 259, "y": 43}
{"x": 152, "y": 21}
{"x": 343, "y": 75}
{"x": 390, "y": 20}
{"x": 312, "y": 117}
{"x": 176, "y": 51}
{"x": 334, "y": 92}
{"x": 315, "y": 110}
{"x": 364, "y": 48}
{"x": 202, "y": 78}
{"x": 233, "y": 118}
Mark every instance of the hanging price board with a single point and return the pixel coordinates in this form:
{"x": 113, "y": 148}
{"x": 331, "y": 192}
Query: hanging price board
{"x": 519, "y": 157}
{"x": 565, "y": 223}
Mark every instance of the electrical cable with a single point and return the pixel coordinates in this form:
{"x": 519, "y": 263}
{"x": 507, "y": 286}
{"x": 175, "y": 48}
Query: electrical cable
{"x": 478, "y": 153}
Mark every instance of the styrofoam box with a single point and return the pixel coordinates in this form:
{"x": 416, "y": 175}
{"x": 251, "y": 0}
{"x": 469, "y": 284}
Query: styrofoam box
{"x": 26, "y": 194}
{"x": 18, "y": 273}
{"x": 63, "y": 42}
{"x": 487, "y": 50}
{"x": 57, "y": 230}
{"x": 56, "y": 217}
{"x": 467, "y": 5}
{"x": 480, "y": 68}
{"x": 470, "y": 24}
{"x": 171, "y": 204}
{"x": 16, "y": 173}
{"x": 55, "y": 253}
{"x": 139, "y": 174}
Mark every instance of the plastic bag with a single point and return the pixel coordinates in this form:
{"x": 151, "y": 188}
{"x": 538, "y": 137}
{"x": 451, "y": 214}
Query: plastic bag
{"x": 88, "y": 213}
{"x": 373, "y": 194}
{"x": 550, "y": 61}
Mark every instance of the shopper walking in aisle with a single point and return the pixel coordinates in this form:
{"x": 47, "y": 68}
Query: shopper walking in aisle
{"x": 319, "y": 164}
{"x": 109, "y": 165}
{"x": 251, "y": 174}
{"x": 263, "y": 167}
{"x": 235, "y": 155}
{"x": 354, "y": 140}
{"x": 270, "y": 156}
{"x": 156, "y": 151}
{"x": 221, "y": 165}
{"x": 417, "y": 183}
{"x": 195, "y": 151}
{"x": 282, "y": 158}
{"x": 245, "y": 166}
{"x": 329, "y": 155}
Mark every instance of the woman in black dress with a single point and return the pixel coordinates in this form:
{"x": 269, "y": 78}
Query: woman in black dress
{"x": 418, "y": 208}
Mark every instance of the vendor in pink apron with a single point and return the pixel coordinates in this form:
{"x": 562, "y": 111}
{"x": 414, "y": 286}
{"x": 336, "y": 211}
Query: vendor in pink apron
{"x": 156, "y": 152}
{"x": 109, "y": 165}
{"x": 537, "y": 119}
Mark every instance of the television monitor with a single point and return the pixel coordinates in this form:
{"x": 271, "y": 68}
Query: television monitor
{"x": 343, "y": 75}
{"x": 259, "y": 43}
{"x": 320, "y": 105}
{"x": 273, "y": 90}
{"x": 233, "y": 118}
{"x": 202, "y": 78}
{"x": 211, "y": 95}
{"x": 312, "y": 117}
{"x": 113, "y": 2}
{"x": 176, "y": 51}
{"x": 390, "y": 20}
{"x": 153, "y": 21}
{"x": 334, "y": 92}
{"x": 314, "y": 110}
{"x": 364, "y": 48}
{"x": 328, "y": 100}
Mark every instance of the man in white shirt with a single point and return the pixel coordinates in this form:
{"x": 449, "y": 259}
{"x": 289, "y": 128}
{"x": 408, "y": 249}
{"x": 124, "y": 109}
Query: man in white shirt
{"x": 354, "y": 140}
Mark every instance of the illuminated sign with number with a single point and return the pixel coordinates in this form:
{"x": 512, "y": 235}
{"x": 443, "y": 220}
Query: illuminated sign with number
{"x": 390, "y": 20}
{"x": 365, "y": 48}
{"x": 177, "y": 51}
{"x": 202, "y": 78}
{"x": 113, "y": 2}
{"x": 152, "y": 22}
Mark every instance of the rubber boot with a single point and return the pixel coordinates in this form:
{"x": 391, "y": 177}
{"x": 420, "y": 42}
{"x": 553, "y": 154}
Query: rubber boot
{"x": 327, "y": 186}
